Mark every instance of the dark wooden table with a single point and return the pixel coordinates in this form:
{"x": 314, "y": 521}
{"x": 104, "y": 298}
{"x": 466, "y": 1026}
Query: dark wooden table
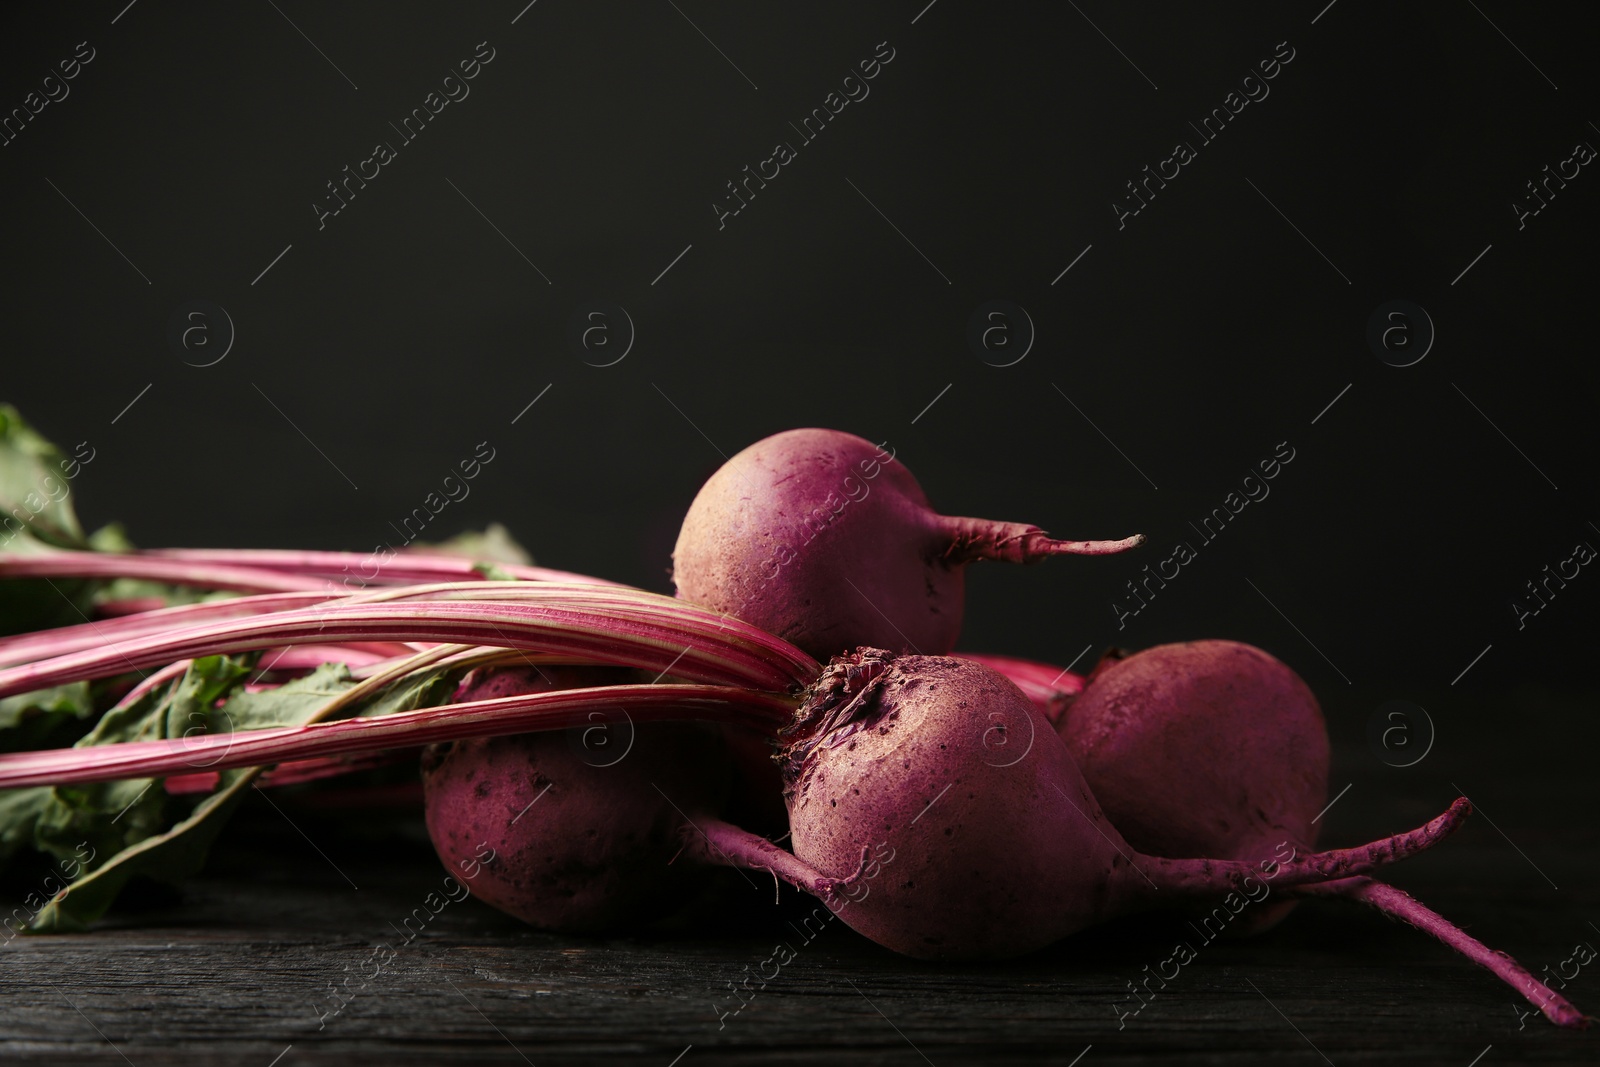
{"x": 236, "y": 968}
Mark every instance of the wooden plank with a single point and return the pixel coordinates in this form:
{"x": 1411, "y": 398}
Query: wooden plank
{"x": 238, "y": 969}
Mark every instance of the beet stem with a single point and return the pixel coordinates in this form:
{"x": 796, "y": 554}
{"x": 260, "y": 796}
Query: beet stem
{"x": 483, "y": 718}
{"x": 293, "y": 772}
{"x": 397, "y": 567}
{"x": 1401, "y": 905}
{"x": 43, "y": 644}
{"x": 198, "y": 574}
{"x": 628, "y": 629}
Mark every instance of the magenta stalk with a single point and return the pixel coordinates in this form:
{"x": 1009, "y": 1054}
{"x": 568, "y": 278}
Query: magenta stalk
{"x": 202, "y": 575}
{"x": 61, "y": 640}
{"x": 43, "y": 644}
{"x": 484, "y": 718}
{"x": 691, "y": 642}
{"x": 291, "y": 772}
{"x": 399, "y": 568}
{"x": 355, "y": 655}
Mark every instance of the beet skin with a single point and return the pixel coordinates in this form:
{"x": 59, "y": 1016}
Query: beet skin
{"x": 1209, "y": 748}
{"x": 578, "y": 845}
{"x": 987, "y": 840}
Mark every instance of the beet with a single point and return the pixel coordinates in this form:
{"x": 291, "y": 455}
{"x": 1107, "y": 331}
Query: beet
{"x": 1214, "y": 748}
{"x": 827, "y": 541}
{"x": 575, "y": 845}
{"x": 1221, "y": 776}
{"x": 579, "y": 830}
{"x": 1001, "y": 847}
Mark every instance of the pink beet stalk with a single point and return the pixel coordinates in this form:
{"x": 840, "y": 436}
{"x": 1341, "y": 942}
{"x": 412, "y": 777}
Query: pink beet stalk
{"x": 170, "y": 673}
{"x": 311, "y": 656}
{"x": 656, "y": 633}
{"x": 396, "y": 568}
{"x": 1403, "y": 906}
{"x": 483, "y": 718}
{"x": 112, "y": 609}
{"x": 291, "y": 772}
{"x": 202, "y": 575}
{"x": 43, "y": 644}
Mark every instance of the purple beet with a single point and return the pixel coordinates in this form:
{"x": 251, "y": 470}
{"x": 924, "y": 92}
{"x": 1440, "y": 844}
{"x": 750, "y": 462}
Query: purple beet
{"x": 1000, "y": 846}
{"x": 1214, "y": 748}
{"x": 827, "y": 541}
{"x": 1216, "y": 778}
{"x": 609, "y": 824}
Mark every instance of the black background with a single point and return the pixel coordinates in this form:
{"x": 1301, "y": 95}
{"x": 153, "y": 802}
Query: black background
{"x": 1196, "y": 338}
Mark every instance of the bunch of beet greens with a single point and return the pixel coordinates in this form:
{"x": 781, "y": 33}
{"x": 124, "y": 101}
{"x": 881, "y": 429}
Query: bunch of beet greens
{"x": 993, "y": 804}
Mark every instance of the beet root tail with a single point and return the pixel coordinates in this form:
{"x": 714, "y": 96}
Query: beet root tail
{"x": 1400, "y": 905}
{"x": 1015, "y": 542}
{"x": 1038, "y": 546}
{"x": 1210, "y": 878}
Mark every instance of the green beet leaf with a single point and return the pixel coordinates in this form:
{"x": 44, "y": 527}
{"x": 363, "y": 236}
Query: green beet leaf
{"x": 175, "y": 849}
